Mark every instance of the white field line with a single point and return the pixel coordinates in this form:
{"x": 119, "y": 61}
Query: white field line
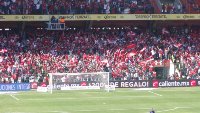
{"x": 8, "y": 93}
{"x": 155, "y": 93}
{"x": 173, "y": 109}
{"x": 14, "y": 97}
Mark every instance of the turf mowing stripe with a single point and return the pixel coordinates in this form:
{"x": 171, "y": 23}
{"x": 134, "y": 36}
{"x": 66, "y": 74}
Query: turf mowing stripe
{"x": 117, "y": 109}
{"x": 58, "y": 111}
{"x": 86, "y": 110}
{"x": 90, "y": 110}
{"x": 173, "y": 109}
{"x": 166, "y": 110}
{"x": 17, "y": 112}
{"x": 155, "y": 93}
{"x": 14, "y": 97}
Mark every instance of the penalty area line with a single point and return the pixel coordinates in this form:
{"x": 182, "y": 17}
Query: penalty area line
{"x": 14, "y": 97}
{"x": 155, "y": 93}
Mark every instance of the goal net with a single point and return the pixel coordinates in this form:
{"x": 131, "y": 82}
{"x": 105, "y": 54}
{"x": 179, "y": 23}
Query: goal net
{"x": 78, "y": 81}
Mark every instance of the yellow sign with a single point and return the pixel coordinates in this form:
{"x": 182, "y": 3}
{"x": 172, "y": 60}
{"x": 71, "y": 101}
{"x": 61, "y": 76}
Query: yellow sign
{"x": 130, "y": 17}
{"x": 73, "y": 17}
{"x": 98, "y": 17}
{"x": 24, "y": 18}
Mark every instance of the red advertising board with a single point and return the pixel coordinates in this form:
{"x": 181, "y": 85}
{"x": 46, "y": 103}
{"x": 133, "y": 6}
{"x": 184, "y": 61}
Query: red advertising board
{"x": 34, "y": 85}
{"x": 155, "y": 83}
{"x": 193, "y": 83}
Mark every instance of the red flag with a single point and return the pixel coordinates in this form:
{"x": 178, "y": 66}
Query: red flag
{"x": 154, "y": 74}
{"x": 3, "y": 50}
{"x": 132, "y": 53}
{"x": 149, "y": 59}
{"x": 142, "y": 50}
{"x": 84, "y": 56}
{"x": 178, "y": 45}
{"x": 165, "y": 31}
{"x": 104, "y": 61}
{"x": 131, "y": 46}
{"x": 131, "y": 34}
{"x": 142, "y": 63}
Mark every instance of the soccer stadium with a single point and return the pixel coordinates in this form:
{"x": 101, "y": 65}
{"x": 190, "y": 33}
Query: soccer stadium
{"x": 99, "y": 56}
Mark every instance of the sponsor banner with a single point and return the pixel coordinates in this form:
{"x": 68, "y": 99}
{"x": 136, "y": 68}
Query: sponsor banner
{"x": 97, "y": 17}
{"x": 117, "y": 84}
{"x": 74, "y": 17}
{"x": 130, "y": 84}
{"x": 24, "y": 17}
{"x": 175, "y": 83}
{"x": 42, "y": 89}
{"x": 34, "y": 85}
{"x": 43, "y": 84}
{"x": 155, "y": 83}
{"x": 15, "y": 87}
{"x": 110, "y": 87}
{"x": 79, "y": 87}
{"x": 126, "y": 84}
{"x": 193, "y": 83}
{"x": 198, "y": 82}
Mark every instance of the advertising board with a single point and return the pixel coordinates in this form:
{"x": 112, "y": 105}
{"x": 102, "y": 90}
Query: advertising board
{"x": 129, "y": 84}
{"x": 98, "y": 17}
{"x": 15, "y": 87}
{"x": 175, "y": 83}
{"x": 118, "y": 84}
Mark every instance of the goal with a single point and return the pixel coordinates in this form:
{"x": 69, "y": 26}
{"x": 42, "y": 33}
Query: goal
{"x": 78, "y": 81}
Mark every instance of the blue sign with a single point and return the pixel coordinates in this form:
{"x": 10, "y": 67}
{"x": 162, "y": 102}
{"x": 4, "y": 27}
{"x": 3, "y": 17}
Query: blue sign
{"x": 15, "y": 87}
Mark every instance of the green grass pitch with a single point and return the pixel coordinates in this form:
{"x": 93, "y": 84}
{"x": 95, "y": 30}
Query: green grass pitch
{"x": 163, "y": 100}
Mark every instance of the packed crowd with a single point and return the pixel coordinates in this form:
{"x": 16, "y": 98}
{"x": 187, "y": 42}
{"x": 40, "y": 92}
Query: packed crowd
{"x": 75, "y": 6}
{"x": 92, "y": 7}
{"x": 125, "y": 53}
{"x": 173, "y": 6}
{"x": 195, "y": 5}
{"x": 171, "y": 9}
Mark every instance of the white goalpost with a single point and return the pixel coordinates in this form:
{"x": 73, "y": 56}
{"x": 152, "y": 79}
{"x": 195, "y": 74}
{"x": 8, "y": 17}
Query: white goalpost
{"x": 79, "y": 81}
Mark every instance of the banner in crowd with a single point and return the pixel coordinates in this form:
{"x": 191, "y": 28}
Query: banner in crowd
{"x": 79, "y": 17}
{"x": 34, "y": 85}
{"x": 15, "y": 87}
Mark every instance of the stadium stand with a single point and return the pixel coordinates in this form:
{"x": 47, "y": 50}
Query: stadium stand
{"x": 126, "y": 53}
{"x": 74, "y": 7}
{"x": 121, "y": 51}
{"x": 97, "y": 6}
